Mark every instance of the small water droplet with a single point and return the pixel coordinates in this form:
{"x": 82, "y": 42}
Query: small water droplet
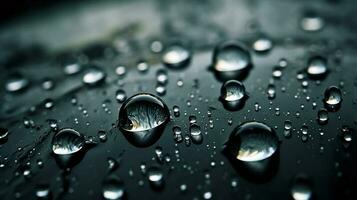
{"x": 332, "y": 98}
{"x": 312, "y": 22}
{"x": 233, "y": 95}
{"x": 120, "y": 95}
{"x": 195, "y": 133}
{"x": 322, "y": 116}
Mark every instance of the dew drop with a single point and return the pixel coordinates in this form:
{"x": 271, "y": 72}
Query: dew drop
{"x": 262, "y": 45}
{"x": 322, "y": 116}
{"x": 156, "y": 178}
{"x": 311, "y": 22}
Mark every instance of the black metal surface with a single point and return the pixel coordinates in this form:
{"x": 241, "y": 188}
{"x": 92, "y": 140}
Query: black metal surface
{"x": 36, "y": 46}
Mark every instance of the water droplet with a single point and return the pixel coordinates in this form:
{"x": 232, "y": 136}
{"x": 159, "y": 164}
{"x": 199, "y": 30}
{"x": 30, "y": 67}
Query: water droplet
{"x": 65, "y": 145}
{"x": 48, "y": 84}
{"x": 120, "y": 95}
{"x": 207, "y": 195}
{"x": 311, "y": 22}
{"x": 262, "y": 45}
{"x": 231, "y": 60}
{"x": 4, "y": 132}
{"x": 333, "y": 98}
{"x": 43, "y": 192}
{"x": 301, "y": 188}
{"x": 156, "y": 178}
{"x": 93, "y": 76}
{"x": 72, "y": 68}
{"x": 271, "y": 91}
{"x": 120, "y": 70}
{"x": 67, "y": 141}
{"x": 322, "y": 116}
{"x": 113, "y": 188}
{"x": 102, "y": 135}
{"x": 142, "y": 66}
{"x": 160, "y": 90}
{"x": 48, "y": 103}
{"x": 317, "y": 67}
{"x": 195, "y": 133}
{"x": 176, "y": 56}
{"x": 16, "y": 83}
{"x": 233, "y": 95}
{"x": 277, "y": 72}
{"x": 253, "y": 147}
{"x": 346, "y": 136}
{"x": 142, "y": 118}
{"x": 161, "y": 77}
{"x": 177, "y": 134}
{"x": 176, "y": 111}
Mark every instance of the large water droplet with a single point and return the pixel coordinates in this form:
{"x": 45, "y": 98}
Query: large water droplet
{"x": 253, "y": 147}
{"x": 93, "y": 76}
{"x": 176, "y": 56}
{"x": 142, "y": 118}
{"x": 231, "y": 60}
{"x": 317, "y": 67}
{"x": 113, "y": 188}
{"x": 66, "y": 144}
{"x": 233, "y": 95}
{"x": 301, "y": 188}
{"x": 333, "y": 98}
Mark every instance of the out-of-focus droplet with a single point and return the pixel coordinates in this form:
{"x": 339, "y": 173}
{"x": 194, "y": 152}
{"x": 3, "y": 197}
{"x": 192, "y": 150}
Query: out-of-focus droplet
{"x": 233, "y": 95}
{"x": 176, "y": 56}
{"x": 43, "y": 192}
{"x": 72, "y": 68}
{"x": 48, "y": 84}
{"x": 271, "y": 91}
{"x": 317, "y": 67}
{"x": 162, "y": 77}
{"x": 160, "y": 90}
{"x": 301, "y": 188}
{"x": 93, "y": 76}
{"x": 113, "y": 188}
{"x": 142, "y": 66}
{"x": 120, "y": 95}
{"x": 156, "y": 178}
{"x": 16, "y": 83}
{"x": 312, "y": 22}
{"x": 120, "y": 70}
{"x": 231, "y": 60}
{"x": 332, "y": 98}
{"x": 142, "y": 119}
{"x": 262, "y": 45}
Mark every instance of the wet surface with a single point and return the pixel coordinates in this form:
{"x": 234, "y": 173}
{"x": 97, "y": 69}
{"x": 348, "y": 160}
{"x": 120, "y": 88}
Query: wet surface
{"x": 78, "y": 75}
